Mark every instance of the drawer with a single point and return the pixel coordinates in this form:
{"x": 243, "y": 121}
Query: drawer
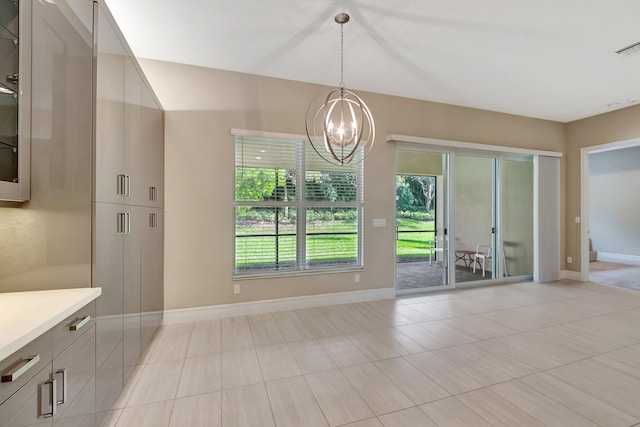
{"x": 23, "y": 365}
{"x": 72, "y": 328}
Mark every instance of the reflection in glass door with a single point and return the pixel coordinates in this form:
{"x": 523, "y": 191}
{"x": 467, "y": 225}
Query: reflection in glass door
{"x": 475, "y": 249}
{"x": 517, "y": 221}
{"x": 421, "y": 221}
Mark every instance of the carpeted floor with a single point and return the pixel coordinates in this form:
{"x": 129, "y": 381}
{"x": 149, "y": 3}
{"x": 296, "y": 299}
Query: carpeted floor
{"x": 609, "y": 273}
{"x": 606, "y": 266}
{"x": 411, "y": 275}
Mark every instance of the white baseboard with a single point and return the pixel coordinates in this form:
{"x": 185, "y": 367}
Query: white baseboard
{"x": 266, "y": 306}
{"x": 571, "y": 275}
{"x": 619, "y": 258}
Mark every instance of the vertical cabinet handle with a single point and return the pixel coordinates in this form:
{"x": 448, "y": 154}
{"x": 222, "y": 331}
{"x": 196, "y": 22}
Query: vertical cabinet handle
{"x": 153, "y": 220}
{"x": 47, "y": 399}
{"x": 61, "y": 389}
{"x": 153, "y": 194}
{"x": 123, "y": 223}
{"x": 123, "y": 186}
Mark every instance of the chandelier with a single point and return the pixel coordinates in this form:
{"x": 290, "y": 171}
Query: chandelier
{"x": 338, "y": 121}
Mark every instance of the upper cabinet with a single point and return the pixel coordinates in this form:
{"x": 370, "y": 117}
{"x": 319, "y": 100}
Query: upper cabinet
{"x": 15, "y": 97}
{"x": 46, "y": 53}
{"x": 129, "y": 126}
{"x": 152, "y": 149}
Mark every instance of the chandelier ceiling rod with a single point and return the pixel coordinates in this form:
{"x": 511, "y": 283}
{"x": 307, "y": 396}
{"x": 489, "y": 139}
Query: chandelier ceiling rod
{"x": 338, "y": 122}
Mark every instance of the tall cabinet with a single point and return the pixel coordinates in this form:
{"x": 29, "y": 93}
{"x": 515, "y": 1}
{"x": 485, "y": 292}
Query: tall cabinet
{"x": 128, "y": 211}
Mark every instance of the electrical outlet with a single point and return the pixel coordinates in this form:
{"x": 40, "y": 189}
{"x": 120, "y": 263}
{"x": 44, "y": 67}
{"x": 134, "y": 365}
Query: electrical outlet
{"x": 357, "y": 278}
{"x": 236, "y": 289}
{"x": 569, "y": 260}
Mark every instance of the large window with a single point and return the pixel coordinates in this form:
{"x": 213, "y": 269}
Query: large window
{"x": 293, "y": 210}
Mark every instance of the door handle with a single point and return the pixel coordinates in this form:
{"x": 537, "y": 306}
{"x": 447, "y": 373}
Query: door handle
{"x": 47, "y": 399}
{"x": 61, "y": 390}
{"x": 123, "y": 187}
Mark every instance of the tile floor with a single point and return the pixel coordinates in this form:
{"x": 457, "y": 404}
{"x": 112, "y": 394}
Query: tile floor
{"x": 559, "y": 354}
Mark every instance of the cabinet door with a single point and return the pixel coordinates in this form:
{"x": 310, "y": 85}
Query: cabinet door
{"x": 109, "y": 147}
{"x": 61, "y": 97}
{"x": 152, "y": 143}
{"x": 132, "y": 247}
{"x": 108, "y": 274}
{"x": 152, "y": 274}
{"x": 132, "y": 126}
{"x": 74, "y": 371}
{"x": 27, "y": 406}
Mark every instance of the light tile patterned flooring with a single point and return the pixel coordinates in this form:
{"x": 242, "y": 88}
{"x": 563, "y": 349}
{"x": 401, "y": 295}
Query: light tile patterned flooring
{"x": 558, "y": 354}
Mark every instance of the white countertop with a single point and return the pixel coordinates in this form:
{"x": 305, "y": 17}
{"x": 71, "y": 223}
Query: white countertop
{"x": 25, "y": 316}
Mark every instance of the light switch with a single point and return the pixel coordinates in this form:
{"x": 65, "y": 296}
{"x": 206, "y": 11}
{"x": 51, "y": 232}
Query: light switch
{"x": 380, "y": 222}
{"x": 577, "y": 220}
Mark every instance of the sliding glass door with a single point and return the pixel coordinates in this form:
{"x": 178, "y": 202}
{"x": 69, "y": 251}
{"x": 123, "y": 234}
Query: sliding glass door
{"x": 517, "y": 218}
{"x": 475, "y": 250}
{"x": 462, "y": 218}
{"x": 421, "y": 221}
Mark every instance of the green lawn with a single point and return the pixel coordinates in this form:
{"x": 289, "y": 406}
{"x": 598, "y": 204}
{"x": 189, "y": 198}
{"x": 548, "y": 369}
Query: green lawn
{"x": 253, "y": 252}
{"x": 414, "y": 238}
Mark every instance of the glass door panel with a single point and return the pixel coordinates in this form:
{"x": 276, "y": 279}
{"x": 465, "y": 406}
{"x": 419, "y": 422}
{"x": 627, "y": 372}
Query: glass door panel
{"x": 421, "y": 219}
{"x": 517, "y": 221}
{"x": 474, "y": 200}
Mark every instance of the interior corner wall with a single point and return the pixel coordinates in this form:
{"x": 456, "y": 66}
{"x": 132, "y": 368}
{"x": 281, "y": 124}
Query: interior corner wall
{"x": 202, "y": 105}
{"x": 614, "y": 223}
{"x": 615, "y": 126}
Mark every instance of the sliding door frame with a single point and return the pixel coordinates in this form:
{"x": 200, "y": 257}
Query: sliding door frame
{"x": 414, "y": 143}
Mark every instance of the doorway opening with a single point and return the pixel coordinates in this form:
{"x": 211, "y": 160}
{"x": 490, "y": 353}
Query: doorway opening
{"x": 462, "y": 219}
{"x": 421, "y": 242}
{"x": 417, "y": 250}
{"x": 613, "y": 227}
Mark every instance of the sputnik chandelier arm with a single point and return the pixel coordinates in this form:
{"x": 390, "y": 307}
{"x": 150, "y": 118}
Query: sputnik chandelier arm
{"x": 338, "y": 122}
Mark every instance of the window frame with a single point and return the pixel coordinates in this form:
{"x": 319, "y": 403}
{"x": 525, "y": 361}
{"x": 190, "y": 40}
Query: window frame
{"x": 302, "y": 266}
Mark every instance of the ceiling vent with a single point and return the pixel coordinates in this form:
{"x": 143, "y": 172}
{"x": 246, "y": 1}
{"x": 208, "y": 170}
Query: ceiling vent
{"x": 629, "y": 50}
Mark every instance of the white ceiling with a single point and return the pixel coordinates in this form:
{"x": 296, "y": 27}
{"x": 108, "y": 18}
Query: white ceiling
{"x": 551, "y": 59}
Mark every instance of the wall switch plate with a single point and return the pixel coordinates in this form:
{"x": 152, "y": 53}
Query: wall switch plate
{"x": 577, "y": 220}
{"x": 380, "y": 222}
{"x": 357, "y": 278}
{"x": 236, "y": 289}
{"x": 569, "y": 260}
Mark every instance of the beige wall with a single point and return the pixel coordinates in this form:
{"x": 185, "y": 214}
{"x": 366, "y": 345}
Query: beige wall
{"x": 611, "y": 127}
{"x": 202, "y": 105}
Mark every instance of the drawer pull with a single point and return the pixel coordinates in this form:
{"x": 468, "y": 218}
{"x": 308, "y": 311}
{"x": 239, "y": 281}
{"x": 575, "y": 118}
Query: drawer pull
{"x": 47, "y": 402}
{"x": 79, "y": 323}
{"x": 20, "y": 368}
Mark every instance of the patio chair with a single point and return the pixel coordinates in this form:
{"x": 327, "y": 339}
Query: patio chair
{"x": 483, "y": 253}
